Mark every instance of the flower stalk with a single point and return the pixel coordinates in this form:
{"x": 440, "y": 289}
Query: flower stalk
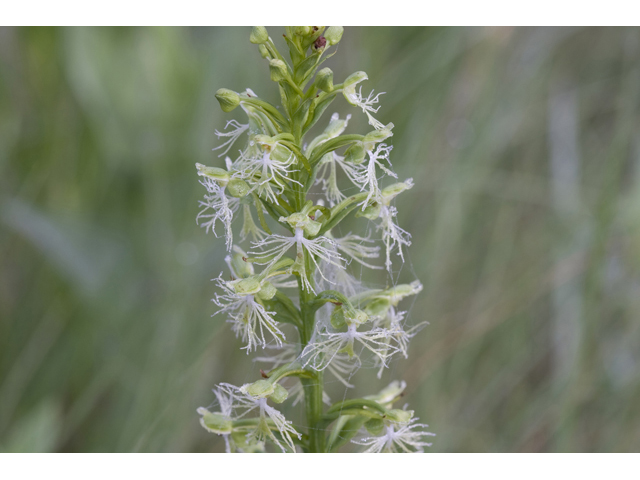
{"x": 303, "y": 303}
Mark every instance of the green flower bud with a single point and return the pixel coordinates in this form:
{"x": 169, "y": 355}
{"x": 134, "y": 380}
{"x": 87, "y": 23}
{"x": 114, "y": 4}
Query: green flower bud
{"x": 302, "y": 31}
{"x": 238, "y": 188}
{"x": 228, "y": 99}
{"x": 333, "y": 35}
{"x": 259, "y": 35}
{"x": 324, "y": 80}
{"x": 278, "y": 70}
{"x": 259, "y": 389}
{"x": 267, "y": 292}
{"x": 280, "y": 394}
{"x": 400, "y": 416}
{"x": 215, "y": 422}
{"x": 263, "y": 51}
{"x": 356, "y": 153}
{"x": 375, "y": 426}
{"x": 218, "y": 174}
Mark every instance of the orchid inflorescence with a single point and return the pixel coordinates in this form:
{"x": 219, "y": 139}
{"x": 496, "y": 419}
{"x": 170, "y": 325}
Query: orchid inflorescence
{"x": 334, "y": 321}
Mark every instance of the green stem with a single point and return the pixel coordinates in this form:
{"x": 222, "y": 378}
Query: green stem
{"x": 313, "y": 387}
{"x": 313, "y": 406}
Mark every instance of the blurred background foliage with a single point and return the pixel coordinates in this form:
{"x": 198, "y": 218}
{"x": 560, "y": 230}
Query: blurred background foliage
{"x": 524, "y": 146}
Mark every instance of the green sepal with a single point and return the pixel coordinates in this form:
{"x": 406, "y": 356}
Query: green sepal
{"x": 267, "y": 292}
{"x": 375, "y": 426}
{"x": 280, "y": 394}
{"x": 260, "y": 389}
{"x": 400, "y": 416}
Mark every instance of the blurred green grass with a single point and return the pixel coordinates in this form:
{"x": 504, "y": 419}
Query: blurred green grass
{"x": 524, "y": 146}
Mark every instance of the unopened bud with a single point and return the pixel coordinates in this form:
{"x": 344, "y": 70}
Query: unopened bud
{"x": 333, "y": 35}
{"x": 324, "y": 80}
{"x": 320, "y": 43}
{"x": 302, "y": 31}
{"x": 228, "y": 99}
{"x": 263, "y": 51}
{"x": 277, "y": 69}
{"x": 259, "y": 35}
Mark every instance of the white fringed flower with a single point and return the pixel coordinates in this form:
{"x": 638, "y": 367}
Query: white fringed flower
{"x": 237, "y": 130}
{"x": 275, "y": 246}
{"x": 368, "y": 177}
{"x": 244, "y": 403}
{"x": 250, "y": 320}
{"x": 340, "y": 367}
{"x": 355, "y": 247}
{"x": 225, "y": 410}
{"x": 328, "y": 176}
{"x": 407, "y": 438}
{"x": 320, "y": 353}
{"x": 268, "y": 175}
{"x": 217, "y": 206}
{"x": 401, "y": 337}
{"x": 367, "y": 106}
{"x": 249, "y": 227}
{"x": 392, "y": 235}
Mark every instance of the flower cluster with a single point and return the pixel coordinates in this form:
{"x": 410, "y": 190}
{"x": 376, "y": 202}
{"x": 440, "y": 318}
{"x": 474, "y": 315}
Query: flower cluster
{"x": 303, "y": 303}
